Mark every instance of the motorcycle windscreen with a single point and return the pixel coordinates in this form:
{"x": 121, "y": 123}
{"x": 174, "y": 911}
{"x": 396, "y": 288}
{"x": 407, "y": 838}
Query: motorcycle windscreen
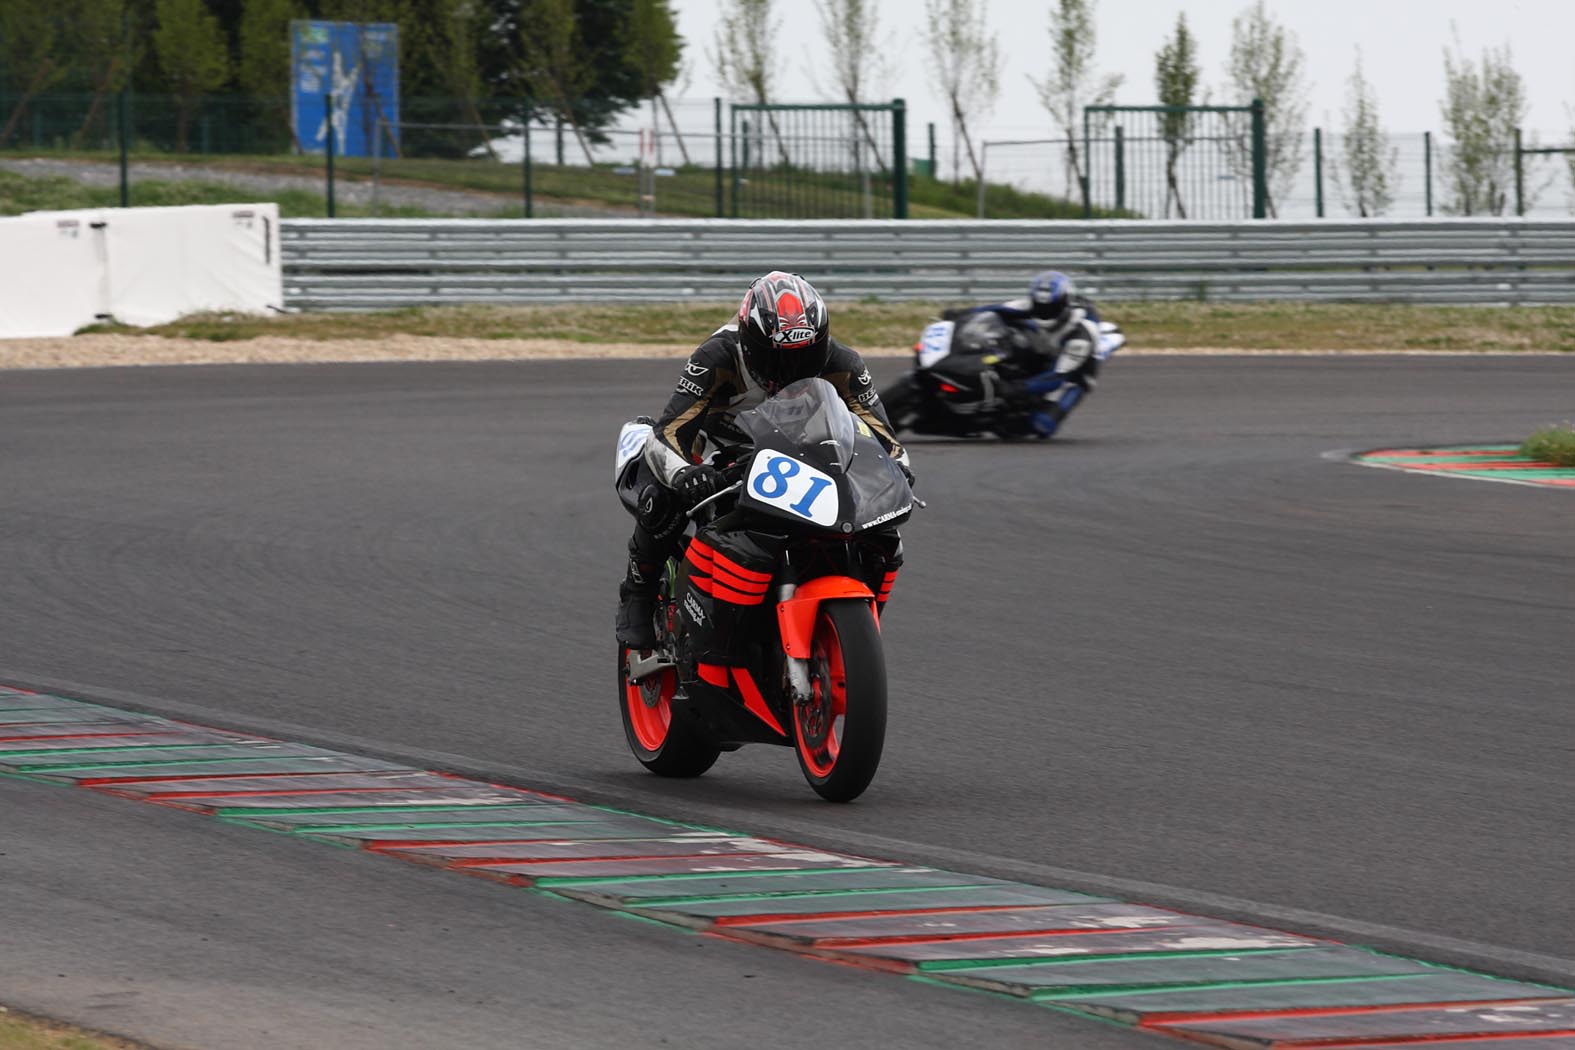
{"x": 878, "y": 494}
{"x": 808, "y": 415}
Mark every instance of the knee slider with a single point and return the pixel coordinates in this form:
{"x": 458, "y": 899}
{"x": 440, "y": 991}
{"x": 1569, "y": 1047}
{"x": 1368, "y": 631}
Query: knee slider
{"x": 658, "y": 511}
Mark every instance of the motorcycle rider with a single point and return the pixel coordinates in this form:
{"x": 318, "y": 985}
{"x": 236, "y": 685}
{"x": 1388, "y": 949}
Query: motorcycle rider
{"x": 1052, "y": 335}
{"x": 781, "y": 334}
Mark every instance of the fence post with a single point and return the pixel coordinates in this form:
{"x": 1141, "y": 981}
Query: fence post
{"x": 1121, "y": 168}
{"x": 732, "y": 151}
{"x": 899, "y": 163}
{"x": 1318, "y": 167}
{"x": 125, "y": 185}
{"x": 1260, "y": 163}
{"x": 1520, "y": 177}
{"x": 984, "y": 166}
{"x": 1086, "y": 175}
{"x": 934, "y": 171}
{"x": 530, "y": 196}
{"x": 328, "y": 122}
{"x": 1427, "y": 169}
{"x": 717, "y": 103}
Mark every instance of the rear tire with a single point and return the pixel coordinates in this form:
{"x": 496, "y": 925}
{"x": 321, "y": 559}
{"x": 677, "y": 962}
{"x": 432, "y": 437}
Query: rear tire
{"x": 667, "y": 746}
{"x": 839, "y": 737}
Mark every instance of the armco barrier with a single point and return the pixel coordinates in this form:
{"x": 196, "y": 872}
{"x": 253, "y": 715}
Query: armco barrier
{"x": 359, "y": 263}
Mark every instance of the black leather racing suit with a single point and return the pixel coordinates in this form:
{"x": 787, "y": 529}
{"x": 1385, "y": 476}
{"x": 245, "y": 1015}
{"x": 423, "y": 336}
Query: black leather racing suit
{"x": 713, "y": 388}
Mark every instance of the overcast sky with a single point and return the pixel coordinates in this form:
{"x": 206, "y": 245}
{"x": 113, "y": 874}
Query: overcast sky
{"x": 1402, "y": 44}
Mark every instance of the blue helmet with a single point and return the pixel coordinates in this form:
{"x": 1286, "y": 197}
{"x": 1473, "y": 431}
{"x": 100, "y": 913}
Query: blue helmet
{"x": 1050, "y": 296}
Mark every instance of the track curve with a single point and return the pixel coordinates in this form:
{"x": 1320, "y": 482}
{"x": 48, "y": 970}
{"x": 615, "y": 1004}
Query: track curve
{"x": 1180, "y": 646}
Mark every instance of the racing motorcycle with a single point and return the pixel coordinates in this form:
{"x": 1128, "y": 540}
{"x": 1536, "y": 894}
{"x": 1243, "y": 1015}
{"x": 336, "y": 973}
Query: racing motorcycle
{"x": 953, "y": 387}
{"x": 815, "y": 675}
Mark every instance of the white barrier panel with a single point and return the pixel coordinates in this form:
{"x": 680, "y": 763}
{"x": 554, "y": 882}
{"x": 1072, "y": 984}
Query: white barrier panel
{"x": 168, "y": 262}
{"x": 52, "y": 274}
{"x": 141, "y": 266}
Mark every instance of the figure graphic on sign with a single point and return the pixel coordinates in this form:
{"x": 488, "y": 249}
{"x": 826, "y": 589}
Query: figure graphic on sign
{"x": 343, "y": 95}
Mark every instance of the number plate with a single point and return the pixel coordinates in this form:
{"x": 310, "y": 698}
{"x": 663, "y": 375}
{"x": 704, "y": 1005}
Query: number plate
{"x": 936, "y": 342}
{"x": 631, "y": 443}
{"x": 787, "y": 484}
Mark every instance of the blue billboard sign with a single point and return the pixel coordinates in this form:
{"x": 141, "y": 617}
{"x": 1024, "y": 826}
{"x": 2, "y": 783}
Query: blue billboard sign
{"x": 358, "y": 66}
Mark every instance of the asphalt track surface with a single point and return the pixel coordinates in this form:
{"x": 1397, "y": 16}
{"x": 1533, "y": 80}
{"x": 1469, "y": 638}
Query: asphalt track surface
{"x": 1182, "y": 655}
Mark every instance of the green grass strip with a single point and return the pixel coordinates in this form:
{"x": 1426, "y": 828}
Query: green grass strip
{"x": 1029, "y": 960}
{"x": 724, "y": 898}
{"x": 1092, "y": 991}
{"x": 602, "y": 880}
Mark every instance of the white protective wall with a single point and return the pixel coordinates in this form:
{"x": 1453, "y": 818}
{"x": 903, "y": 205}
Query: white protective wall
{"x": 140, "y": 266}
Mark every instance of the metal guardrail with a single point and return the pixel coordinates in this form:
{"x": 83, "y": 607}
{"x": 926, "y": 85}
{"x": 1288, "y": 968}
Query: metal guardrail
{"x": 365, "y": 263}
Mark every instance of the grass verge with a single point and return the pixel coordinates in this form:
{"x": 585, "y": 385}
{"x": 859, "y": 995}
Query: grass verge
{"x": 19, "y": 1031}
{"x": 1552, "y": 445}
{"x": 1179, "y": 325}
{"x": 24, "y": 193}
{"x": 690, "y": 192}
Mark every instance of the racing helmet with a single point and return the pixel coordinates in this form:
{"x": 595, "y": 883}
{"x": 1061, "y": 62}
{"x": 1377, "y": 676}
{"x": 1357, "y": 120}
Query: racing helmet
{"x": 784, "y": 333}
{"x": 1050, "y": 297}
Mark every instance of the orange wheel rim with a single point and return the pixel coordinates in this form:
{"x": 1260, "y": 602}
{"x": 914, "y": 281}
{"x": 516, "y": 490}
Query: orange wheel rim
{"x": 818, "y": 725}
{"x": 650, "y": 707}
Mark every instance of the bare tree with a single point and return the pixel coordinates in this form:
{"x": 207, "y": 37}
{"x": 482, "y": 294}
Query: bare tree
{"x": 1482, "y": 107}
{"x": 553, "y": 60}
{"x": 1072, "y": 82}
{"x": 966, "y": 58}
{"x": 745, "y": 58}
{"x": 1176, "y": 76}
{"x": 1266, "y": 62}
{"x": 853, "y": 40}
{"x": 1372, "y": 166}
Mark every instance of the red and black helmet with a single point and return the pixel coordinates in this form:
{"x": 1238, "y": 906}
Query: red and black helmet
{"x": 783, "y": 330}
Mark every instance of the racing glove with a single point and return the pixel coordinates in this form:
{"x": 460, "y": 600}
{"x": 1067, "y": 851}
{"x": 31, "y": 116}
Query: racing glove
{"x": 699, "y": 482}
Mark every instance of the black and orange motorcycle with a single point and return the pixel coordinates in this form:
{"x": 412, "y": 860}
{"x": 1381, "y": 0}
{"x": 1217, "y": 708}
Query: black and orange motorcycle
{"x": 816, "y": 482}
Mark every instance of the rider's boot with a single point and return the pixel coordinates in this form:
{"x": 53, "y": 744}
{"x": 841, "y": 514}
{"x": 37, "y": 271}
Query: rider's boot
{"x": 637, "y": 606}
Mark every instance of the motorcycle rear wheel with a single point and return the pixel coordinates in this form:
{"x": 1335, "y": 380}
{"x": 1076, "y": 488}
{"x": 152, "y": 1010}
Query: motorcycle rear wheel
{"x": 667, "y": 746}
{"x": 839, "y": 736}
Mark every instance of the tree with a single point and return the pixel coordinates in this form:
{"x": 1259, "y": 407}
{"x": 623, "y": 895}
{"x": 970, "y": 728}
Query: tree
{"x": 1482, "y": 107}
{"x": 264, "y": 60}
{"x": 1072, "y": 82}
{"x": 656, "y": 51}
{"x": 31, "y": 43}
{"x": 553, "y": 65}
{"x": 193, "y": 54}
{"x": 1176, "y": 76}
{"x": 1266, "y": 62}
{"x": 1371, "y": 168}
{"x": 745, "y": 58}
{"x": 103, "y": 46}
{"x": 965, "y": 59}
{"x": 852, "y": 32}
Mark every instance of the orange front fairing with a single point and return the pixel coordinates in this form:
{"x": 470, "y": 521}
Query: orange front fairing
{"x": 796, "y": 616}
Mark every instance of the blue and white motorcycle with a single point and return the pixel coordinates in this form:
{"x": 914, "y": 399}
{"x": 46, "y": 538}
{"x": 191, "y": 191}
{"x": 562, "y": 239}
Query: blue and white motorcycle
{"x": 963, "y": 371}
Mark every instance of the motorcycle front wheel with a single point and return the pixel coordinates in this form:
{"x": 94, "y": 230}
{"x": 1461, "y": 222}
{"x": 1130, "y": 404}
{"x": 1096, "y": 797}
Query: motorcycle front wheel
{"x": 903, "y": 401}
{"x": 666, "y": 746}
{"x": 839, "y": 734}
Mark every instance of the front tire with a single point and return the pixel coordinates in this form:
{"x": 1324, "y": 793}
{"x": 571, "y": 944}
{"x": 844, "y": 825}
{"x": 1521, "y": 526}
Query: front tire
{"x": 904, "y": 403}
{"x": 667, "y": 746}
{"x": 839, "y": 736}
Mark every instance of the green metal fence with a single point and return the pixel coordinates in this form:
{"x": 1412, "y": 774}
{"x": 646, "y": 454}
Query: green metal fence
{"x": 818, "y": 161}
{"x": 1182, "y": 162}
